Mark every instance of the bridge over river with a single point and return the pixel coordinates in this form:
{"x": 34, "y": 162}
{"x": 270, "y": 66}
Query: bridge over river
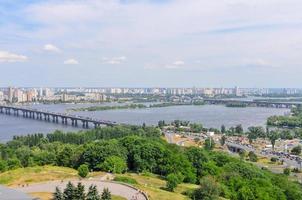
{"x": 54, "y": 117}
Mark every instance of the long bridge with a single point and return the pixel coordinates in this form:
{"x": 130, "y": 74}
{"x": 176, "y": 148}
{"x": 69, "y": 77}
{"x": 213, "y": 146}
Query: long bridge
{"x": 54, "y": 117}
{"x": 255, "y": 103}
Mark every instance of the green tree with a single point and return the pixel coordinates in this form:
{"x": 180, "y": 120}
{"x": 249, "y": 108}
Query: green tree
{"x": 209, "y": 144}
{"x": 65, "y": 156}
{"x": 252, "y": 156}
{"x": 286, "y": 171}
{"x": 209, "y": 189}
{"x": 93, "y": 193}
{"x": 57, "y": 195}
{"x": 172, "y": 182}
{"x": 106, "y": 195}
{"x": 13, "y": 163}
{"x": 273, "y": 136}
{"x": 296, "y": 150}
{"x": 245, "y": 193}
{"x": 83, "y": 170}
{"x": 3, "y": 166}
{"x": 223, "y": 129}
{"x": 24, "y": 154}
{"x": 210, "y": 168}
{"x": 195, "y": 128}
{"x": 239, "y": 129}
{"x": 222, "y": 140}
{"x": 80, "y": 192}
{"x": 69, "y": 192}
{"x": 161, "y": 123}
{"x": 242, "y": 154}
{"x": 114, "y": 164}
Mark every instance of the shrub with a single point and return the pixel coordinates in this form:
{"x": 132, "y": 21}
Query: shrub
{"x": 83, "y": 171}
{"x": 296, "y": 150}
{"x": 286, "y": 171}
{"x": 172, "y": 182}
{"x": 252, "y": 156}
{"x": 209, "y": 189}
{"x": 3, "y": 166}
{"x": 274, "y": 159}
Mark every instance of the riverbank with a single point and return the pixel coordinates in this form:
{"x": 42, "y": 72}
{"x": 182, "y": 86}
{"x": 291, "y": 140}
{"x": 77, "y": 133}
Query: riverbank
{"x": 132, "y": 106}
{"x": 101, "y": 108}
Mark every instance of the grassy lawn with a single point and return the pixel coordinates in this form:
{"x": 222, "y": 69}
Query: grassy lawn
{"x": 29, "y": 175}
{"x": 154, "y": 187}
{"x": 152, "y": 184}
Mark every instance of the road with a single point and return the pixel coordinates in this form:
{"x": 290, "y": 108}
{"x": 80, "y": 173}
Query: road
{"x": 115, "y": 188}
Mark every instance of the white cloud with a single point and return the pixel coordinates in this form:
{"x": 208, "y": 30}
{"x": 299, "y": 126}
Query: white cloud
{"x": 71, "y": 62}
{"x": 258, "y": 63}
{"x": 179, "y": 62}
{"x": 52, "y": 48}
{"x": 175, "y": 65}
{"x": 114, "y": 60}
{"x": 6, "y": 56}
{"x": 220, "y": 34}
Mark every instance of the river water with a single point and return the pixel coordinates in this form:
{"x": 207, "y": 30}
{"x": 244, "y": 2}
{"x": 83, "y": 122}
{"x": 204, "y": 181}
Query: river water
{"x": 208, "y": 115}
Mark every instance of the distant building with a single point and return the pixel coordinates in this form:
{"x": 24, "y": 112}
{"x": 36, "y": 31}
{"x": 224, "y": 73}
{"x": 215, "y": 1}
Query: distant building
{"x": 237, "y": 91}
{"x": 10, "y": 94}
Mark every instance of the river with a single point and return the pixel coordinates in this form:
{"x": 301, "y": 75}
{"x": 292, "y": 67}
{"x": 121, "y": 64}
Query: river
{"x": 208, "y": 115}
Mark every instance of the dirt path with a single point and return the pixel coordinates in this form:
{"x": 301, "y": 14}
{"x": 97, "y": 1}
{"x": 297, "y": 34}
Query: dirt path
{"x": 115, "y": 188}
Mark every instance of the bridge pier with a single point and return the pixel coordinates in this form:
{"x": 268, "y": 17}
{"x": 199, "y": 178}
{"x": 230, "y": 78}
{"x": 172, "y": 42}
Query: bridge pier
{"x": 96, "y": 125}
{"x": 7, "y": 111}
{"x": 64, "y": 120}
{"x": 74, "y": 122}
{"x": 85, "y": 124}
{"x": 16, "y": 112}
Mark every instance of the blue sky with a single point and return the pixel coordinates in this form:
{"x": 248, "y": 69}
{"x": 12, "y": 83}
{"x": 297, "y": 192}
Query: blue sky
{"x": 168, "y": 43}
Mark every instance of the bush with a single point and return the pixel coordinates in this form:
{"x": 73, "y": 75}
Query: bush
{"x": 286, "y": 171}
{"x": 274, "y": 159}
{"x": 296, "y": 170}
{"x": 3, "y": 166}
{"x": 296, "y": 150}
{"x": 209, "y": 189}
{"x": 172, "y": 182}
{"x": 13, "y": 163}
{"x": 83, "y": 171}
{"x": 253, "y": 157}
{"x": 125, "y": 180}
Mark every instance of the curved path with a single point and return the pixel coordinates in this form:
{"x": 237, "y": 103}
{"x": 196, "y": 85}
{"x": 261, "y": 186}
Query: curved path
{"x": 115, "y": 188}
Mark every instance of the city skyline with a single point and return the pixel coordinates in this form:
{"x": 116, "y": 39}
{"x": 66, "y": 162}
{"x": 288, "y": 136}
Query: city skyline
{"x": 151, "y": 43}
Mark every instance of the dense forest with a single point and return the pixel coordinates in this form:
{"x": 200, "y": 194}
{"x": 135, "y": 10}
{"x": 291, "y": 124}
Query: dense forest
{"x": 141, "y": 149}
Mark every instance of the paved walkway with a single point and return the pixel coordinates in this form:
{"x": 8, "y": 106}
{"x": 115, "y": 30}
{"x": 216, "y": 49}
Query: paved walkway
{"x": 115, "y": 188}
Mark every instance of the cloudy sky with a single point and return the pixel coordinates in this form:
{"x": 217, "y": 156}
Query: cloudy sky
{"x": 169, "y": 43}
